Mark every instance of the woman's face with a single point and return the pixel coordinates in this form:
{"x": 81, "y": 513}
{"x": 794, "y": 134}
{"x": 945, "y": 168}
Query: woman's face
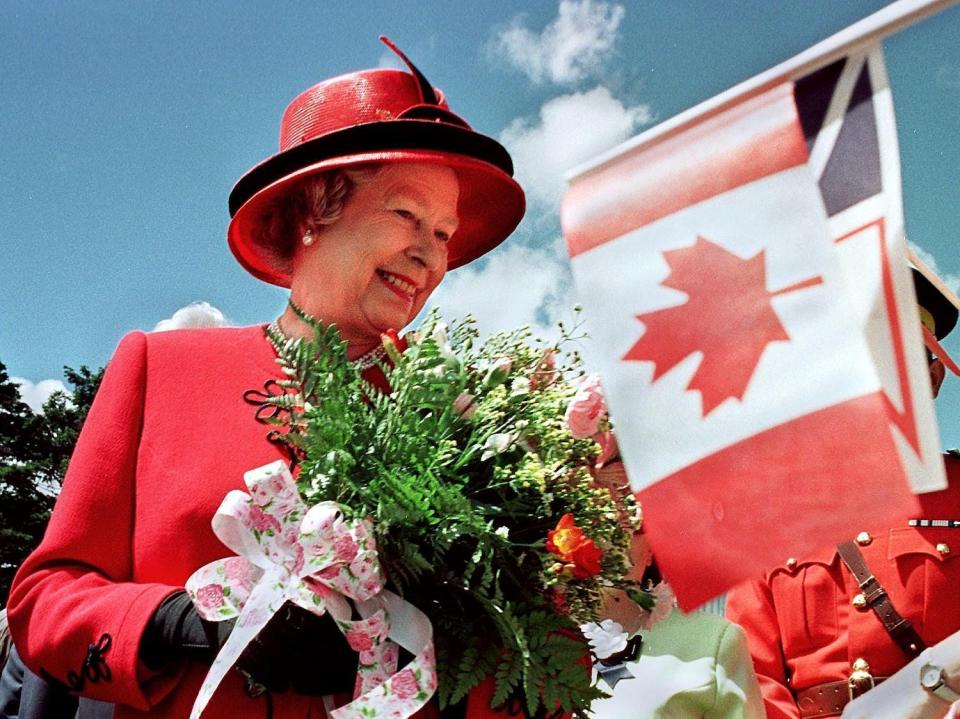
{"x": 374, "y": 268}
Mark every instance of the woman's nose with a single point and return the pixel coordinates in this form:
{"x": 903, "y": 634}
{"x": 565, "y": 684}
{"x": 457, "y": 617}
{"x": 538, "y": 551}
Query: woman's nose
{"x": 428, "y": 251}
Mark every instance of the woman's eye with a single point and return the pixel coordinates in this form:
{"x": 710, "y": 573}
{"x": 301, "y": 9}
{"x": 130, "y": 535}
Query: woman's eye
{"x": 405, "y": 214}
{"x": 441, "y": 235}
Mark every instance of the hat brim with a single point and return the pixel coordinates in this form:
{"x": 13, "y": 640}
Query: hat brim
{"x": 932, "y": 300}
{"x": 490, "y": 206}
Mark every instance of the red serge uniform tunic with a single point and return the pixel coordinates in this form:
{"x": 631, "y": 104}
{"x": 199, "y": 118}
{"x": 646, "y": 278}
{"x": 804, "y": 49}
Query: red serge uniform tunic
{"x": 803, "y": 628}
{"x": 168, "y": 435}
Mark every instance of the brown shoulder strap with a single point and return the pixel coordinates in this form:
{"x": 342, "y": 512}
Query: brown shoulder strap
{"x": 899, "y": 629}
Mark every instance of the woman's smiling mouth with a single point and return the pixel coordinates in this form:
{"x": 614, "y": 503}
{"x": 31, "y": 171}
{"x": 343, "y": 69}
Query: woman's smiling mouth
{"x": 401, "y": 286}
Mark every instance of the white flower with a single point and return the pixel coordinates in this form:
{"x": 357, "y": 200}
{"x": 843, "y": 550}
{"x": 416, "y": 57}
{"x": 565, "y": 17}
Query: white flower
{"x": 520, "y": 386}
{"x": 606, "y": 638}
{"x": 439, "y": 336}
{"x": 503, "y": 532}
{"x": 497, "y": 444}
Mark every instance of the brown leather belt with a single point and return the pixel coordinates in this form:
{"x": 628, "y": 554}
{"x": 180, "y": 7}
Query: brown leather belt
{"x": 826, "y": 700}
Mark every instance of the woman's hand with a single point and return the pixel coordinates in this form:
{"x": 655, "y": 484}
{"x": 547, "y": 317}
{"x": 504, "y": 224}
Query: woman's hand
{"x": 296, "y": 650}
{"x": 301, "y": 651}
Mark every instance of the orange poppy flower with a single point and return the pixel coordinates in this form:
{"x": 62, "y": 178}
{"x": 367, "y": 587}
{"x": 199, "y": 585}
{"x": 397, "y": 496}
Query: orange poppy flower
{"x": 579, "y": 553}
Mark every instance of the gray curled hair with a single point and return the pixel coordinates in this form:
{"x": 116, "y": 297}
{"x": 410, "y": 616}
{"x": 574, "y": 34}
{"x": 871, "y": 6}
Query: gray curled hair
{"x": 308, "y": 205}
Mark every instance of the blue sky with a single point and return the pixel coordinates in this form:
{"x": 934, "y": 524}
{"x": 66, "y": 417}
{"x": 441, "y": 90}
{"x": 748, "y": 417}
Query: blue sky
{"x": 124, "y": 126}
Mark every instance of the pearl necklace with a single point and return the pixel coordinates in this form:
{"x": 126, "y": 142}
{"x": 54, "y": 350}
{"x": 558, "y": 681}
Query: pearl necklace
{"x": 365, "y": 361}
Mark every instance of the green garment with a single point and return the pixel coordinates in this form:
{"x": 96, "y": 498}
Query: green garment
{"x": 691, "y": 667}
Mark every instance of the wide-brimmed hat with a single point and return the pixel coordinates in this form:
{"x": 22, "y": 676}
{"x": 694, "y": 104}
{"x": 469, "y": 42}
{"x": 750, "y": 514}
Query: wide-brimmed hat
{"x": 376, "y": 116}
{"x": 937, "y": 312}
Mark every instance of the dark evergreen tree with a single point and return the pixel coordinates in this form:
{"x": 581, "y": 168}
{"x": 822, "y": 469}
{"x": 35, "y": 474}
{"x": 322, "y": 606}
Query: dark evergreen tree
{"x": 34, "y": 451}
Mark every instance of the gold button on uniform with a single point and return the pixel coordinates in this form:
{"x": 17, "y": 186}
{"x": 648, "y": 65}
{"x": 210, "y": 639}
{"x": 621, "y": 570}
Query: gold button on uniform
{"x": 860, "y": 602}
{"x": 791, "y": 562}
{"x": 864, "y": 538}
{"x": 943, "y": 548}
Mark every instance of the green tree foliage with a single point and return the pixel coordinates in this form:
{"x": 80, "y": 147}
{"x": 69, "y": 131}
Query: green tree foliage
{"x": 34, "y": 452}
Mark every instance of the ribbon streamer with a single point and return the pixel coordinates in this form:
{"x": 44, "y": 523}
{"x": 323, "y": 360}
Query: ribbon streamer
{"x": 317, "y": 559}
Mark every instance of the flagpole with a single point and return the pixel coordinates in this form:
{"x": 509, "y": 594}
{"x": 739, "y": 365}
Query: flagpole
{"x": 867, "y": 31}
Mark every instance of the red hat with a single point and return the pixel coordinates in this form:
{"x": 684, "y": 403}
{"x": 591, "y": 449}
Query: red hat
{"x": 377, "y": 116}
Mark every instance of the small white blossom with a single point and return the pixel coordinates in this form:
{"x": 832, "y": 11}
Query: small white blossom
{"x": 503, "y": 532}
{"x": 520, "y": 386}
{"x": 439, "y": 336}
{"x": 497, "y": 444}
{"x": 606, "y": 638}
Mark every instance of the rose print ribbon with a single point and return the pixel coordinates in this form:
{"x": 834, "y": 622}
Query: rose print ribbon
{"x": 319, "y": 560}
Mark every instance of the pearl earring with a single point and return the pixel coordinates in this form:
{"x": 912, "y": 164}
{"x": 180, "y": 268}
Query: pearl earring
{"x": 308, "y": 238}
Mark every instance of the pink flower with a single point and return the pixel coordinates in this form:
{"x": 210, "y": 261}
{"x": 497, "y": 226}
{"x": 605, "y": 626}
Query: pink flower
{"x": 331, "y": 572}
{"x": 284, "y": 496}
{"x": 237, "y": 572}
{"x": 391, "y": 653}
{"x": 587, "y": 409}
{"x": 608, "y": 447}
{"x": 298, "y": 559}
{"x": 276, "y": 486}
{"x": 464, "y": 405}
{"x": 359, "y": 641}
{"x": 261, "y": 521}
{"x": 346, "y": 548}
{"x": 546, "y": 372}
{"x": 368, "y": 658}
{"x": 210, "y": 597}
{"x": 260, "y": 494}
{"x": 498, "y": 372}
{"x": 404, "y": 684}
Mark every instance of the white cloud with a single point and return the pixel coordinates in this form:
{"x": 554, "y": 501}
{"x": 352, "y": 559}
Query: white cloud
{"x": 571, "y": 129}
{"x": 517, "y": 285}
{"x": 389, "y": 61}
{"x": 34, "y": 394}
{"x": 196, "y": 314}
{"x": 950, "y": 280}
{"x": 570, "y": 48}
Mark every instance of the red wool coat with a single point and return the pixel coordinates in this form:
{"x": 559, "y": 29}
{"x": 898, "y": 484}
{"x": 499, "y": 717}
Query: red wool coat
{"x": 168, "y": 435}
{"x": 802, "y": 627}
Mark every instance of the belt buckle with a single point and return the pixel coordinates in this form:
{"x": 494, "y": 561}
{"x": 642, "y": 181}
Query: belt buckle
{"x": 861, "y": 680}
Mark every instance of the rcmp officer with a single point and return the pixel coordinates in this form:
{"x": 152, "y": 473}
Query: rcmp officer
{"x": 825, "y": 628}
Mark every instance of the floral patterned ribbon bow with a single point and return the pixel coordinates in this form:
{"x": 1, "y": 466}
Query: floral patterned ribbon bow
{"x": 317, "y": 559}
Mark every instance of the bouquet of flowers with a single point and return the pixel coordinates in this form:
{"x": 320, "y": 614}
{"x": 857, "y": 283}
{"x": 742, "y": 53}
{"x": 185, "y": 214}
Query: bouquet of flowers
{"x": 474, "y": 475}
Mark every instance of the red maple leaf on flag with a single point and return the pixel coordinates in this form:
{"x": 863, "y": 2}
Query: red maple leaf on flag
{"x": 728, "y": 317}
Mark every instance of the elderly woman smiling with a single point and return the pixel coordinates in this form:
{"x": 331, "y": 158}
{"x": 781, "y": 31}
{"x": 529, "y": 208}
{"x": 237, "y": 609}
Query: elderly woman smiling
{"x": 378, "y": 190}
{"x": 405, "y": 215}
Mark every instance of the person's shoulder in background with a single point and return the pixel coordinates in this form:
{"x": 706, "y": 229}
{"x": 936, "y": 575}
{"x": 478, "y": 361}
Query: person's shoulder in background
{"x": 690, "y": 665}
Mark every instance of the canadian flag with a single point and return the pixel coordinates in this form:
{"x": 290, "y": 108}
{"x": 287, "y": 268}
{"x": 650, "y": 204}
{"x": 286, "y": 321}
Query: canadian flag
{"x": 743, "y": 277}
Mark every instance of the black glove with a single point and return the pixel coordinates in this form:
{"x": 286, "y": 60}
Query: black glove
{"x": 296, "y": 649}
{"x": 176, "y": 630}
